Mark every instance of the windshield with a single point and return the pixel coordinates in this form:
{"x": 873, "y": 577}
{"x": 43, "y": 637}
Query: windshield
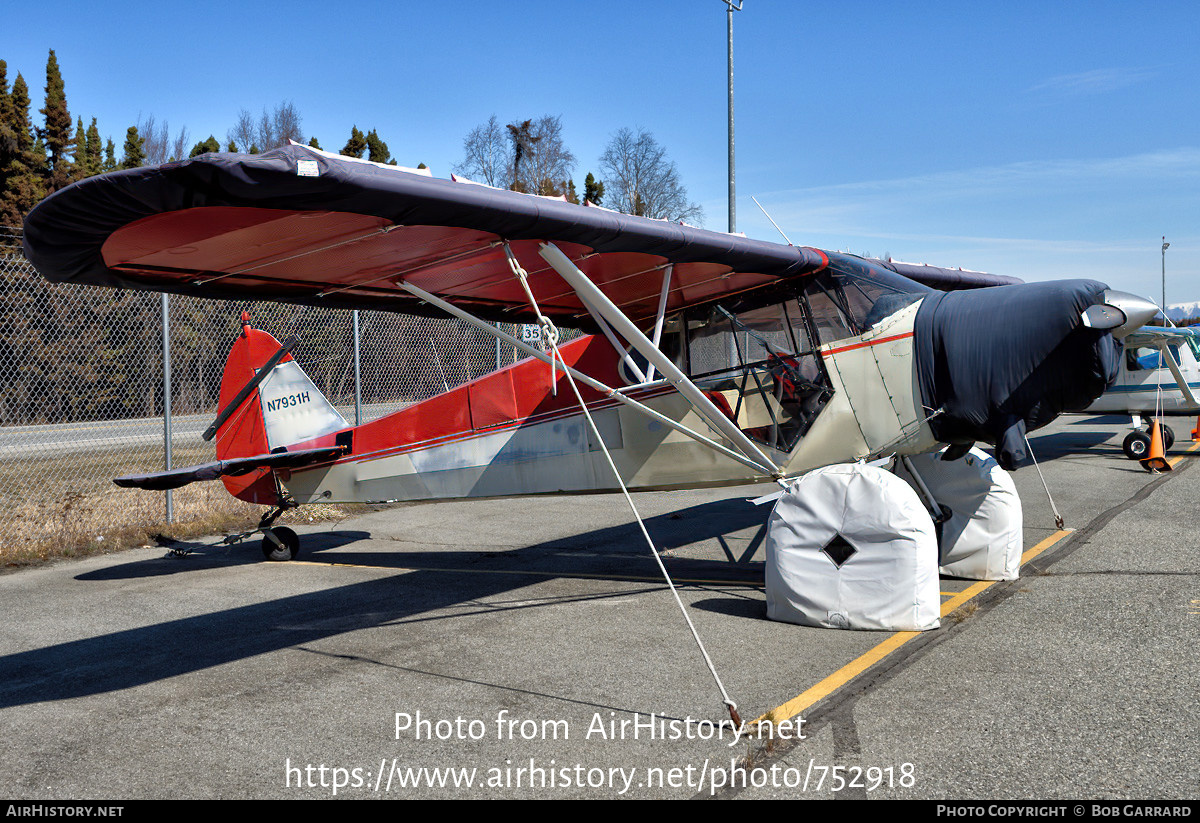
{"x": 853, "y": 295}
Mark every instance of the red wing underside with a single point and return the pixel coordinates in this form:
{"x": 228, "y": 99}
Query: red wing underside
{"x": 313, "y": 254}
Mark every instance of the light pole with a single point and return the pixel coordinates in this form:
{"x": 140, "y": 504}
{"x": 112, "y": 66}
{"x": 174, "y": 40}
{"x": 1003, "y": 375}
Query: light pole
{"x": 732, "y": 187}
{"x": 1164, "y": 278}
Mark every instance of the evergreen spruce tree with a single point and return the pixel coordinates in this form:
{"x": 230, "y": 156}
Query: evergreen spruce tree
{"x": 92, "y": 150}
{"x": 232, "y": 147}
{"x": 209, "y": 146}
{"x": 135, "y": 152}
{"x": 110, "y": 157}
{"x": 313, "y": 142}
{"x": 593, "y": 189}
{"x": 378, "y": 151}
{"x": 77, "y": 168}
{"x": 8, "y": 136}
{"x": 356, "y": 145}
{"x": 57, "y": 133}
{"x": 25, "y": 169}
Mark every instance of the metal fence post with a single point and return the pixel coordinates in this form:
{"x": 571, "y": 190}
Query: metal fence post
{"x": 166, "y": 353}
{"x": 357, "y": 376}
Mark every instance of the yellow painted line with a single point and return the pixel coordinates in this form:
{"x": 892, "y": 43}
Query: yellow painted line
{"x": 1174, "y": 460}
{"x": 580, "y": 575}
{"x": 1045, "y": 544}
{"x": 857, "y": 666}
{"x": 965, "y": 595}
{"x": 838, "y": 679}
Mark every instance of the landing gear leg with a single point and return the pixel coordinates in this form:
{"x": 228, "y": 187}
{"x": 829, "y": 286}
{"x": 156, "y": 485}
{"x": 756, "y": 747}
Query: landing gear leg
{"x": 279, "y": 542}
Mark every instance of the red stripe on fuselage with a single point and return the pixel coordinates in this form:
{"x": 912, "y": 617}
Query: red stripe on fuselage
{"x": 866, "y": 343}
{"x": 510, "y": 397}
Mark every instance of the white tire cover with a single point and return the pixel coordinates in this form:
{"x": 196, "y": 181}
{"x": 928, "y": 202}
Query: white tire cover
{"x": 984, "y": 536}
{"x": 887, "y": 578}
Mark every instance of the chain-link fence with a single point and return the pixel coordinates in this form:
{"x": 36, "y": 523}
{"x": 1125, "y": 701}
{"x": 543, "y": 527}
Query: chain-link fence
{"x": 82, "y": 391}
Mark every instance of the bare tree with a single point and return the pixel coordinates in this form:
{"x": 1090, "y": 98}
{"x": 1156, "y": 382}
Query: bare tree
{"x": 542, "y": 162}
{"x": 639, "y": 179}
{"x": 486, "y": 158}
{"x": 276, "y": 128}
{"x": 527, "y": 156}
{"x": 288, "y": 123}
{"x": 179, "y": 147}
{"x": 244, "y": 132}
{"x": 271, "y": 130}
{"x": 157, "y": 142}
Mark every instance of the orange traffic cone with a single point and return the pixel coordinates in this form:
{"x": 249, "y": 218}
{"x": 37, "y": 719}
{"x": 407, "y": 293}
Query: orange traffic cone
{"x": 1155, "y": 461}
{"x": 1196, "y": 431}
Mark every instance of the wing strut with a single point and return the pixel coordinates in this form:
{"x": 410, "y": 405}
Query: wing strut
{"x": 616, "y": 344}
{"x": 1177, "y": 374}
{"x": 662, "y": 311}
{"x": 587, "y": 290}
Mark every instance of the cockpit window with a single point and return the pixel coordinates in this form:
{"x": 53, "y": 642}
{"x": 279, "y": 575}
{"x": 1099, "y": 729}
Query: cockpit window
{"x": 756, "y": 355}
{"x": 853, "y": 295}
{"x": 1149, "y": 358}
{"x": 749, "y": 362}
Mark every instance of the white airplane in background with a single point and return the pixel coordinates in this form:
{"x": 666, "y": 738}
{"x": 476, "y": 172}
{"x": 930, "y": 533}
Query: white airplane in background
{"x": 1159, "y": 377}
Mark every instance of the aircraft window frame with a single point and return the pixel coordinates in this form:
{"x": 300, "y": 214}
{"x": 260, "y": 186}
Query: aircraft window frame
{"x": 840, "y": 308}
{"x": 752, "y": 369}
{"x": 792, "y": 382}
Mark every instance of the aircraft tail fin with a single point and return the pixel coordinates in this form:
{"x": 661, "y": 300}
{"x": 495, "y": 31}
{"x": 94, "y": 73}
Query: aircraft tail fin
{"x": 267, "y": 402}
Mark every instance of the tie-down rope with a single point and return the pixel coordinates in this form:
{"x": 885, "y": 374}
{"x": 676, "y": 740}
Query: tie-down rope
{"x": 1058, "y": 519}
{"x": 548, "y": 325}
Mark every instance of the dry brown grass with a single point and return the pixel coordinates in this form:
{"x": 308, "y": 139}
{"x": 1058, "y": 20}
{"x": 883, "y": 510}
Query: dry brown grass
{"x": 68, "y": 507}
{"x": 963, "y": 612}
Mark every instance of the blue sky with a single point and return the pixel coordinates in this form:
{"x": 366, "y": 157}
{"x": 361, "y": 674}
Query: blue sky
{"x": 1035, "y": 139}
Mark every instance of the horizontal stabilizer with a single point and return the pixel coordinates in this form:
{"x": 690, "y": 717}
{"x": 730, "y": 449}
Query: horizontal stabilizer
{"x": 173, "y": 479}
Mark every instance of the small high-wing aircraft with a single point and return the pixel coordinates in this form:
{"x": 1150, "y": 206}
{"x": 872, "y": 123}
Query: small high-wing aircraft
{"x": 1159, "y": 376}
{"x": 713, "y": 359}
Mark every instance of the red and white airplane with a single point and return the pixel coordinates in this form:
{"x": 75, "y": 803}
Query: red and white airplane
{"x": 714, "y": 359}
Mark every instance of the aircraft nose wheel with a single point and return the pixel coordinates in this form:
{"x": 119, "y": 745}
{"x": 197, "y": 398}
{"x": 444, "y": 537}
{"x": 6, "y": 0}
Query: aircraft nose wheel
{"x": 274, "y": 551}
{"x": 1137, "y": 444}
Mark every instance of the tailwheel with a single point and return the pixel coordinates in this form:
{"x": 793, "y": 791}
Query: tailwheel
{"x": 286, "y": 549}
{"x": 1136, "y": 445}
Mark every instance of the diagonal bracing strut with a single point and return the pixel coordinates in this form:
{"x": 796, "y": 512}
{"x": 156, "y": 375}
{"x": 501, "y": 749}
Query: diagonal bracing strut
{"x": 599, "y": 301}
{"x": 591, "y": 382}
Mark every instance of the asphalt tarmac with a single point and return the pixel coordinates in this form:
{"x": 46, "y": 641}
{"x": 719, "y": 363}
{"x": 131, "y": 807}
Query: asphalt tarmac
{"x": 527, "y": 648}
